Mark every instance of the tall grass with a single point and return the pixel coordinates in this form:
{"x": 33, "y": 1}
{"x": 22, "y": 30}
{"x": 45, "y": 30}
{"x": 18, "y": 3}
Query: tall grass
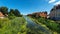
{"x": 15, "y": 26}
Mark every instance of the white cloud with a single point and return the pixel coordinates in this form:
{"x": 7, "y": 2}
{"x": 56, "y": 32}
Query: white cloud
{"x": 57, "y": 3}
{"x": 51, "y": 1}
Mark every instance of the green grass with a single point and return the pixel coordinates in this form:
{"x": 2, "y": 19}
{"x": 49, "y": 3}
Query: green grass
{"x": 14, "y": 26}
{"x": 48, "y": 24}
{"x": 17, "y": 25}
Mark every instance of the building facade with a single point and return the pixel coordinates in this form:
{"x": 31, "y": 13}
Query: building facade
{"x": 55, "y": 13}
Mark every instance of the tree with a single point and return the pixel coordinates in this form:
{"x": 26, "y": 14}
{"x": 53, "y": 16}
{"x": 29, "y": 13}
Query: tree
{"x": 11, "y": 14}
{"x": 17, "y": 13}
{"x": 4, "y": 10}
{"x": 11, "y": 11}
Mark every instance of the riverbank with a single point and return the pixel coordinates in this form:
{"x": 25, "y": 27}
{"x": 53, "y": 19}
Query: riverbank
{"x": 50, "y": 23}
{"x": 39, "y": 27}
{"x": 23, "y": 25}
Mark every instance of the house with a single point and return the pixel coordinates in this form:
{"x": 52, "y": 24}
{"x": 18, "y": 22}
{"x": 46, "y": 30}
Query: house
{"x": 39, "y": 14}
{"x": 55, "y": 12}
{"x": 3, "y": 15}
{"x": 43, "y": 14}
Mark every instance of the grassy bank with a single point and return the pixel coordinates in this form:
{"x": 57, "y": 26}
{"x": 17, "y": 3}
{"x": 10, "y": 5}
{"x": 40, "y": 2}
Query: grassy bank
{"x": 14, "y": 26}
{"x": 48, "y": 24}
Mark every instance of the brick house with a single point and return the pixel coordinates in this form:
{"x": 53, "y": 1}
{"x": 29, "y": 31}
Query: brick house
{"x": 43, "y": 14}
{"x": 37, "y": 14}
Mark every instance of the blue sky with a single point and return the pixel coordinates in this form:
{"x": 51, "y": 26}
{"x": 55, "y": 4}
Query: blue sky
{"x": 30, "y": 6}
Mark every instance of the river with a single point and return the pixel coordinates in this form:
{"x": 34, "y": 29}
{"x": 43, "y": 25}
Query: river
{"x": 32, "y": 25}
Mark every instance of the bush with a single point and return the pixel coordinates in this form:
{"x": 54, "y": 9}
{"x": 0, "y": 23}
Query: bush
{"x": 11, "y": 16}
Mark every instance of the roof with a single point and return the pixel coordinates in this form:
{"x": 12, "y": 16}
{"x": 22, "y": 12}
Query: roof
{"x": 56, "y": 7}
{"x": 1, "y": 14}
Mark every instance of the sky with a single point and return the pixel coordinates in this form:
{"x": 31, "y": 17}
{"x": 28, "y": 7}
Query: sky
{"x": 30, "y": 6}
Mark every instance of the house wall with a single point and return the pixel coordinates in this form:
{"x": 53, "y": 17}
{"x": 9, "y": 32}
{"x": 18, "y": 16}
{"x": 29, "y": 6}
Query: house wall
{"x": 58, "y": 13}
{"x": 37, "y": 14}
{"x": 1, "y": 15}
{"x": 43, "y": 15}
{"x": 55, "y": 14}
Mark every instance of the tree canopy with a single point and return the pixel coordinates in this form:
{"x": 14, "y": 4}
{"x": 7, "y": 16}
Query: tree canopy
{"x": 15, "y": 12}
{"x": 4, "y": 10}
